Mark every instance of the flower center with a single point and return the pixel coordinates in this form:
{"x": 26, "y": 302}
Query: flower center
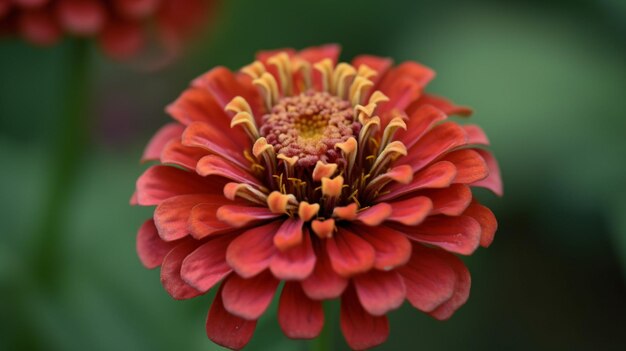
{"x": 309, "y": 125}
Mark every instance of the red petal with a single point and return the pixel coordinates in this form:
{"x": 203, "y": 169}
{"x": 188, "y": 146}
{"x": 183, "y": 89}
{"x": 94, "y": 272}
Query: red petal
{"x": 420, "y": 122}
{"x": 198, "y": 105}
{"x": 216, "y": 141}
{"x": 251, "y": 252}
{"x": 379, "y": 64}
{"x": 178, "y": 154}
{"x": 316, "y": 54}
{"x": 411, "y": 211}
{"x": 203, "y": 220}
{"x": 361, "y": 330}
{"x": 470, "y": 166}
{"x": 323, "y": 283}
{"x": 156, "y": 145}
{"x": 419, "y": 73}
{"x": 296, "y": 263}
{"x": 461, "y": 290}
{"x": 493, "y": 181}
{"x": 150, "y": 247}
{"x": 240, "y": 216}
{"x": 170, "y": 272}
{"x": 401, "y": 94}
{"x": 226, "y": 329}
{"x": 437, "y": 175}
{"x": 289, "y": 234}
{"x": 409, "y": 76}
{"x": 455, "y": 234}
{"x": 206, "y": 265}
{"x": 450, "y": 201}
{"x": 172, "y": 215}
{"x": 428, "y": 277}
{"x": 487, "y": 221}
{"x": 264, "y": 55}
{"x": 440, "y": 139}
{"x": 443, "y": 104}
{"x": 349, "y": 254}
{"x": 224, "y": 85}
{"x": 299, "y": 317}
{"x": 159, "y": 183}
{"x": 380, "y": 292}
{"x": 476, "y": 135}
{"x": 216, "y": 165}
{"x": 374, "y": 215}
{"x": 249, "y": 298}
{"x": 392, "y": 248}
{"x": 133, "y": 199}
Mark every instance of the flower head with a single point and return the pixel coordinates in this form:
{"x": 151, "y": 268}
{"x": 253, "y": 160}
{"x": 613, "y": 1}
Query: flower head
{"x": 122, "y": 27}
{"x": 342, "y": 180}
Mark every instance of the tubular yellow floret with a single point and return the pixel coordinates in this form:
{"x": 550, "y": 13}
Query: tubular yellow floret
{"x": 269, "y": 89}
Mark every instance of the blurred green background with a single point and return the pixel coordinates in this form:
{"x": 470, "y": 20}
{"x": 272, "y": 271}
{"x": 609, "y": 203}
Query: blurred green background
{"x": 547, "y": 80}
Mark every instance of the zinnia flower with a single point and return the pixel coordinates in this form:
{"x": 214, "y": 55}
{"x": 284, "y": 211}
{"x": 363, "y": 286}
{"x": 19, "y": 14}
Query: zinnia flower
{"x": 122, "y": 27}
{"x": 340, "y": 180}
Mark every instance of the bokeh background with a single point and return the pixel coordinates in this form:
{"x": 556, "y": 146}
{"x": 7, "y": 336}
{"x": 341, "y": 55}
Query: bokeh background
{"x": 547, "y": 80}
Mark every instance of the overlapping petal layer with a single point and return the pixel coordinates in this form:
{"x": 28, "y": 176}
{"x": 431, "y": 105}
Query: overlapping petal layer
{"x": 378, "y": 226}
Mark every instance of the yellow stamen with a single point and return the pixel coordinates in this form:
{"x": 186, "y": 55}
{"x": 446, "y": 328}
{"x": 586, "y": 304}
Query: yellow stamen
{"x": 395, "y": 124}
{"x": 246, "y": 120}
{"x": 367, "y": 131}
{"x": 283, "y": 65}
{"x": 346, "y": 212}
{"x": 244, "y": 191}
{"x": 359, "y": 85}
{"x": 289, "y": 163}
{"x": 324, "y": 229}
{"x": 364, "y": 113}
{"x": 304, "y": 67}
{"x": 389, "y": 154}
{"x": 260, "y": 147}
{"x": 238, "y": 104}
{"x": 366, "y": 72}
{"x": 254, "y": 70}
{"x": 402, "y": 174}
{"x": 281, "y": 203}
{"x": 325, "y": 67}
{"x": 332, "y": 187}
{"x": 349, "y": 150}
{"x": 342, "y": 74}
{"x": 323, "y": 170}
{"x": 269, "y": 89}
{"x": 307, "y": 211}
{"x": 378, "y": 97}
{"x": 262, "y": 150}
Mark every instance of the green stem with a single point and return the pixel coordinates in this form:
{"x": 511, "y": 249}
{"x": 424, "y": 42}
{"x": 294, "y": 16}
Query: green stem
{"x": 69, "y": 143}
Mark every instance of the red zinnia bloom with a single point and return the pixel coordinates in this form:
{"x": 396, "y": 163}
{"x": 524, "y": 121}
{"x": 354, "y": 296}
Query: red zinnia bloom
{"x": 122, "y": 27}
{"x": 342, "y": 180}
